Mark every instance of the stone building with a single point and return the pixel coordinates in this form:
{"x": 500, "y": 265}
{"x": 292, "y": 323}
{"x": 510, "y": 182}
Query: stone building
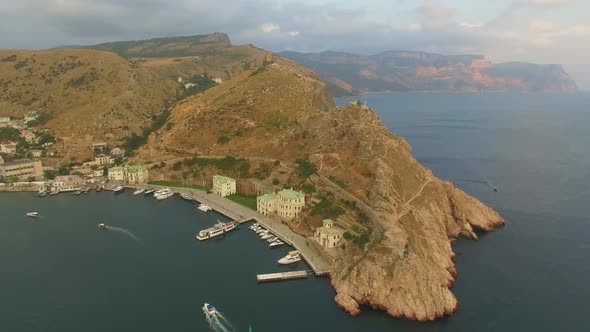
{"x": 290, "y": 203}
{"x": 133, "y": 174}
{"x": 266, "y": 204}
{"x": 68, "y": 183}
{"x": 328, "y": 236}
{"x": 23, "y": 168}
{"x": 223, "y": 185}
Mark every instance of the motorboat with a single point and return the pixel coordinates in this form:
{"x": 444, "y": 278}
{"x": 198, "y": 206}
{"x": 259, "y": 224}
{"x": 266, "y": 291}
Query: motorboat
{"x": 165, "y": 196}
{"x": 204, "y": 208}
{"x": 149, "y": 191}
{"x": 255, "y": 225}
{"x": 219, "y": 229}
{"x": 118, "y": 189}
{"x": 162, "y": 192}
{"x": 186, "y": 196}
{"x": 42, "y": 194}
{"x": 261, "y": 230}
{"x": 255, "y": 228}
{"x": 267, "y": 236}
{"x": 209, "y": 310}
{"x": 276, "y": 243}
{"x": 139, "y": 191}
{"x": 103, "y": 227}
{"x": 33, "y": 214}
{"x": 272, "y": 239}
{"x": 77, "y": 192}
{"x": 292, "y": 257}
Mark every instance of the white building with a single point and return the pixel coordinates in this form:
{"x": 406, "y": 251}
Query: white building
{"x": 68, "y": 183}
{"x": 134, "y": 174}
{"x": 116, "y": 173}
{"x": 287, "y": 203}
{"x": 290, "y": 203}
{"x": 266, "y": 204}
{"x": 328, "y": 236}
{"x": 8, "y": 147}
{"x": 102, "y": 160}
{"x": 223, "y": 185}
{"x": 4, "y": 119}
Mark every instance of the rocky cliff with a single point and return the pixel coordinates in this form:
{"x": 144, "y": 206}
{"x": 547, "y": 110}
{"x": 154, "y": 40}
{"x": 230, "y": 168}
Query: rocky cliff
{"x": 405, "y": 266}
{"x": 418, "y": 71}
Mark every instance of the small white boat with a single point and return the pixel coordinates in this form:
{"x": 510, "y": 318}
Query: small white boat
{"x": 276, "y": 243}
{"x": 118, "y": 188}
{"x": 186, "y": 196}
{"x": 77, "y": 192}
{"x": 139, "y": 191}
{"x": 255, "y": 228}
{"x": 164, "y": 196}
{"x": 219, "y": 229}
{"x": 261, "y": 230}
{"x": 103, "y": 227}
{"x": 292, "y": 257}
{"x": 255, "y": 225}
{"x": 162, "y": 192}
{"x": 204, "y": 208}
{"x": 149, "y": 191}
{"x": 267, "y": 236}
{"x": 33, "y": 214}
{"x": 272, "y": 239}
{"x": 209, "y": 310}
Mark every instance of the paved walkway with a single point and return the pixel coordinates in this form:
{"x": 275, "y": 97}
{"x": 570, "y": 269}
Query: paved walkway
{"x": 242, "y": 214}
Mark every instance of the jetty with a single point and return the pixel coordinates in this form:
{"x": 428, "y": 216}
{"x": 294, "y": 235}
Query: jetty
{"x": 281, "y": 276}
{"x": 241, "y": 214}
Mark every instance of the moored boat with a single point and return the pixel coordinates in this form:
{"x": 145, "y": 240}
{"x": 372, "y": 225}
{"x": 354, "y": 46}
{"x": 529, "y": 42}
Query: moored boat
{"x": 261, "y": 230}
{"x": 186, "y": 196}
{"x": 204, "y": 208}
{"x": 276, "y": 243}
{"x": 139, "y": 191}
{"x": 292, "y": 257}
{"x": 42, "y": 194}
{"x": 118, "y": 189}
{"x": 219, "y": 229}
{"x": 164, "y": 196}
{"x": 272, "y": 239}
{"x": 77, "y": 192}
{"x": 149, "y": 191}
{"x": 267, "y": 236}
{"x": 33, "y": 214}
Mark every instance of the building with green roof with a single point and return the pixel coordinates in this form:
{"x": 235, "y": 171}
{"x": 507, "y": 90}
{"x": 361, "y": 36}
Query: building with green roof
{"x": 223, "y": 185}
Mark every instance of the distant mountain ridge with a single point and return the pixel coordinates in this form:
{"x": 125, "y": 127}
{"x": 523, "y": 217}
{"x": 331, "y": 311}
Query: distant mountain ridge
{"x": 399, "y": 71}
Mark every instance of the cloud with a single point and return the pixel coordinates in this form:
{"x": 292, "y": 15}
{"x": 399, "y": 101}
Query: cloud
{"x": 270, "y": 28}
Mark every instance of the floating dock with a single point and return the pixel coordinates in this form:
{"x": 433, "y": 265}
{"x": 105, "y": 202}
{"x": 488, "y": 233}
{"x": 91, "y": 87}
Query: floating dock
{"x": 281, "y": 276}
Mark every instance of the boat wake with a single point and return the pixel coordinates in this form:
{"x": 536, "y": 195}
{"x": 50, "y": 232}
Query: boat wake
{"x": 219, "y": 323}
{"x": 124, "y": 231}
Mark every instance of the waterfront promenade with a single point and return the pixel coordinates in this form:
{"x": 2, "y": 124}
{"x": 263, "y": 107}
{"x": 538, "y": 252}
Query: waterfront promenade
{"x": 242, "y": 214}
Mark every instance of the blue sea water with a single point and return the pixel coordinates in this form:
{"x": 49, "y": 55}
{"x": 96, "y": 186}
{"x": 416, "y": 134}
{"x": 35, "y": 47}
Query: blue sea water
{"x": 60, "y": 273}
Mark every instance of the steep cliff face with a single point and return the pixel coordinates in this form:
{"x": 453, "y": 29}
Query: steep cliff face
{"x": 405, "y": 267}
{"x": 420, "y": 71}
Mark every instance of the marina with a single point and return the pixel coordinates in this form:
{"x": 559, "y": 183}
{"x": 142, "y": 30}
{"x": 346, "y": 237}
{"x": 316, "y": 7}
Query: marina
{"x": 281, "y": 276}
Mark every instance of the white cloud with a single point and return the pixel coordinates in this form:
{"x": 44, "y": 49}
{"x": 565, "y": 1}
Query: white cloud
{"x": 270, "y": 28}
{"x": 293, "y": 33}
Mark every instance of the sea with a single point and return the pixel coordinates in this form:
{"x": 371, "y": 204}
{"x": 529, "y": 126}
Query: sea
{"x": 149, "y": 273}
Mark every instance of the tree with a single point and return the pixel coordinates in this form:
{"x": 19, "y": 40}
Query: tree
{"x": 63, "y": 171}
{"x": 49, "y": 175}
{"x": 94, "y": 167}
{"x": 105, "y": 171}
{"x": 31, "y": 178}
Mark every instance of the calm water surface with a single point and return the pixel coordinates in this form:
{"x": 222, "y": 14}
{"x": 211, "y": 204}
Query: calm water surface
{"x": 61, "y": 273}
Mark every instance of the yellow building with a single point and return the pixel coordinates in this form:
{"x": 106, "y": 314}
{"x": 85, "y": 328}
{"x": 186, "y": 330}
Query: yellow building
{"x": 328, "y": 236}
{"x": 102, "y": 160}
{"x": 266, "y": 204}
{"x": 290, "y": 203}
{"x": 116, "y": 173}
{"x": 136, "y": 174}
{"x": 223, "y": 185}
{"x": 21, "y": 168}
{"x": 68, "y": 183}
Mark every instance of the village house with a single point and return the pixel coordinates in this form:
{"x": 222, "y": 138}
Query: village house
{"x": 290, "y": 203}
{"x": 28, "y": 136}
{"x": 117, "y": 152}
{"x": 102, "y": 160}
{"x": 328, "y": 236}
{"x": 23, "y": 168}
{"x": 99, "y": 147}
{"x": 68, "y": 183}
{"x": 287, "y": 203}
{"x": 223, "y": 185}
{"x": 8, "y": 147}
{"x": 36, "y": 153}
{"x": 266, "y": 204}
{"x": 31, "y": 116}
{"x": 98, "y": 172}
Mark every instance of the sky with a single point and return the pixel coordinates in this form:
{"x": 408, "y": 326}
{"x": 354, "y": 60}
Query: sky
{"x": 538, "y": 31}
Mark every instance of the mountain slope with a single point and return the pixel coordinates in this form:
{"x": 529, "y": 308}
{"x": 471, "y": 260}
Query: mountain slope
{"x": 404, "y": 219}
{"x": 418, "y": 71}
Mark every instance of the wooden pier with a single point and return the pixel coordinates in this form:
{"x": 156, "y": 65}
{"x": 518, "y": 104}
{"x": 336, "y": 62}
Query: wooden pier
{"x": 281, "y": 276}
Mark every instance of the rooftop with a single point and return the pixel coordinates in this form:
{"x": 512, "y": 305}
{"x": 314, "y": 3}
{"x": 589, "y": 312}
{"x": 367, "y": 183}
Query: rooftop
{"x": 19, "y": 162}
{"x": 268, "y": 197}
{"x": 222, "y": 179}
{"x": 291, "y": 194}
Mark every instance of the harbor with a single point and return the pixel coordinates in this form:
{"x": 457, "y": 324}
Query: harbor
{"x": 241, "y": 214}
